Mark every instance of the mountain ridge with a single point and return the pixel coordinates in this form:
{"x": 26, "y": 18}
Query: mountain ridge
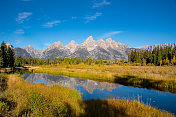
{"x": 101, "y": 49}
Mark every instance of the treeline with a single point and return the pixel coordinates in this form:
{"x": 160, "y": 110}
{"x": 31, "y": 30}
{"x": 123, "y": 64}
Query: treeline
{"x": 158, "y": 56}
{"x": 72, "y": 61}
{"x": 7, "y": 58}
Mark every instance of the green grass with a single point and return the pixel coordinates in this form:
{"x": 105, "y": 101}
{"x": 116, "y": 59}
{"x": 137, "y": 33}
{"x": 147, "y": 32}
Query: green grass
{"x": 153, "y": 77}
{"x": 27, "y": 99}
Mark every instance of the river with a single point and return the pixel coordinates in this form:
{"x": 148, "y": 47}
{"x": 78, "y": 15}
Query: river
{"x": 102, "y": 90}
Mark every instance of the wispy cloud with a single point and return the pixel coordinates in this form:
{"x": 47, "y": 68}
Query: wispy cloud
{"x": 17, "y": 42}
{"x": 48, "y": 44}
{"x": 74, "y": 17}
{"x": 19, "y": 31}
{"x": 100, "y": 4}
{"x": 2, "y": 32}
{"x": 23, "y": 16}
{"x": 51, "y": 24}
{"x": 92, "y": 17}
{"x": 110, "y": 34}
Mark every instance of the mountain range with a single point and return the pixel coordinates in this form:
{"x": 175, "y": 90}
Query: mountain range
{"x": 101, "y": 50}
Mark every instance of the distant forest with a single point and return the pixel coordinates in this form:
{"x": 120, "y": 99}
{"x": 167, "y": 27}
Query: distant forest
{"x": 159, "y": 56}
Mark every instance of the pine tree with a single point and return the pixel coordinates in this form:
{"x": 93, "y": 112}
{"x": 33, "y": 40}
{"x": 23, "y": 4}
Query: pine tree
{"x": 154, "y": 59}
{"x": 169, "y": 53}
{"x": 143, "y": 62}
{"x": 4, "y": 54}
{"x": 1, "y": 62}
{"x": 150, "y": 59}
{"x": 19, "y": 61}
{"x": 159, "y": 58}
{"x": 167, "y": 61}
{"x": 10, "y": 57}
{"x": 132, "y": 56}
{"x": 136, "y": 56}
{"x": 161, "y": 62}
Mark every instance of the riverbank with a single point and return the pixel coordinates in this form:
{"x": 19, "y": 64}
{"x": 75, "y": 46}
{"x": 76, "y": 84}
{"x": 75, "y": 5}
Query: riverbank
{"x": 26, "y": 99}
{"x": 152, "y": 77}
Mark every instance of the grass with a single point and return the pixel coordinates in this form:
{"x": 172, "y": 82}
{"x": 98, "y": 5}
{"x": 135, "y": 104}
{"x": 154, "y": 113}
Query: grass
{"x": 3, "y": 82}
{"x": 120, "y": 108}
{"x": 27, "y": 99}
{"x": 154, "y": 77}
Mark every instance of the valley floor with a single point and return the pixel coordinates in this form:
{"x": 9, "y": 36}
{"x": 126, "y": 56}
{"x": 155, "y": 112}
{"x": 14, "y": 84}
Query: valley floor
{"x": 153, "y": 77}
{"x": 20, "y": 98}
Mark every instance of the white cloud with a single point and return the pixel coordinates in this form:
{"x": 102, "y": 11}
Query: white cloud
{"x": 23, "y": 16}
{"x": 19, "y": 31}
{"x": 100, "y": 4}
{"x": 110, "y": 34}
{"x": 51, "y": 24}
{"x": 92, "y": 17}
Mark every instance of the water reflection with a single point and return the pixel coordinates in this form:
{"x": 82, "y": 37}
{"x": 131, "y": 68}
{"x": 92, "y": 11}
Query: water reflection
{"x": 73, "y": 83}
{"x": 101, "y": 90}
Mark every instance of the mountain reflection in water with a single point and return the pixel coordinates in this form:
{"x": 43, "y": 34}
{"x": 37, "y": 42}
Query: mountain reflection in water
{"x": 73, "y": 83}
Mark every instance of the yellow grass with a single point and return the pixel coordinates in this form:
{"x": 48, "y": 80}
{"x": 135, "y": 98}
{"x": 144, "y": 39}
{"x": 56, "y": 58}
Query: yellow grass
{"x": 156, "y": 77}
{"x": 39, "y": 100}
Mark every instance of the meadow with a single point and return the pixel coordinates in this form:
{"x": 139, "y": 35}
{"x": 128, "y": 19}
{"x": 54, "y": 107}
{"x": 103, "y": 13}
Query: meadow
{"x": 21, "y": 98}
{"x": 152, "y": 77}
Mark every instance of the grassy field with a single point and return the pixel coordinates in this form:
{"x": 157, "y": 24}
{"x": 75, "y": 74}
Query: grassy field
{"x": 153, "y": 77}
{"x": 26, "y": 99}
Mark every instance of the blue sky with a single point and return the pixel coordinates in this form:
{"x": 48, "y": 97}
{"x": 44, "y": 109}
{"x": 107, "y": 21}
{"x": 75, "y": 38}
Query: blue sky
{"x": 42, "y": 22}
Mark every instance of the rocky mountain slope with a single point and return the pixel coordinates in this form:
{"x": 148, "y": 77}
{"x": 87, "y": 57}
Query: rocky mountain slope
{"x": 22, "y": 52}
{"x": 101, "y": 50}
{"x": 33, "y": 52}
{"x": 151, "y": 47}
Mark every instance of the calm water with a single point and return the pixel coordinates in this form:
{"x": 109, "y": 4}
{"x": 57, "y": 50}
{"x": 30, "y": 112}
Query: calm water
{"x": 101, "y": 90}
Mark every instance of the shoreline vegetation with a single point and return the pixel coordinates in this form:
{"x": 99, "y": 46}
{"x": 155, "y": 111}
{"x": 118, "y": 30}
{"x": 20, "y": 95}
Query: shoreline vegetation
{"x": 26, "y": 99}
{"x": 153, "y": 77}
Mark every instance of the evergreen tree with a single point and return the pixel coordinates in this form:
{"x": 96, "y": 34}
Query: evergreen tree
{"x": 132, "y": 56}
{"x": 169, "y": 53}
{"x": 1, "y": 62}
{"x": 150, "y": 59}
{"x": 143, "y": 62}
{"x": 48, "y": 61}
{"x": 19, "y": 61}
{"x": 4, "y": 54}
{"x": 136, "y": 57}
{"x": 10, "y": 57}
{"x": 154, "y": 59}
{"x": 159, "y": 58}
